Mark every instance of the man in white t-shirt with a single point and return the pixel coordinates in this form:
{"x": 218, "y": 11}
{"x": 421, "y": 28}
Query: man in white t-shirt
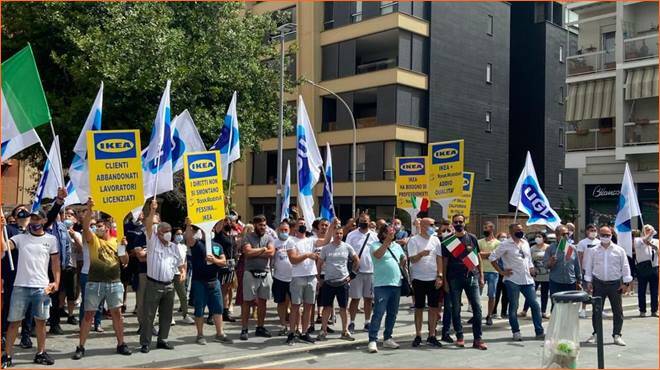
{"x": 282, "y": 273}
{"x": 423, "y": 250}
{"x": 591, "y": 241}
{"x": 32, "y": 286}
{"x": 362, "y": 285}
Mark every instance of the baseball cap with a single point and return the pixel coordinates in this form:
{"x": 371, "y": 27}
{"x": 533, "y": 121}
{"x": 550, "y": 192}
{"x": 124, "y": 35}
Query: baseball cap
{"x": 38, "y": 213}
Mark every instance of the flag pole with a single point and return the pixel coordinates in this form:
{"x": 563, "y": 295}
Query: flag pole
{"x": 5, "y": 237}
{"x": 59, "y": 181}
{"x": 160, "y": 147}
{"x": 59, "y": 155}
{"x": 229, "y": 176}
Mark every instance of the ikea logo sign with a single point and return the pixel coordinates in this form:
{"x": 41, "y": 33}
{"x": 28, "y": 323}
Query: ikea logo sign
{"x": 445, "y": 153}
{"x": 114, "y": 145}
{"x": 466, "y": 183}
{"x": 202, "y": 165}
{"x": 412, "y": 167}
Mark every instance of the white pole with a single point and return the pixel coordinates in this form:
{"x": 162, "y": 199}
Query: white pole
{"x": 157, "y": 171}
{"x": 8, "y": 250}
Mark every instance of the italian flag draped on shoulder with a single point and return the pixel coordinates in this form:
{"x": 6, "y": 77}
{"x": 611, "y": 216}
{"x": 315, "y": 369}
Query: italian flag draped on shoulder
{"x": 459, "y": 251}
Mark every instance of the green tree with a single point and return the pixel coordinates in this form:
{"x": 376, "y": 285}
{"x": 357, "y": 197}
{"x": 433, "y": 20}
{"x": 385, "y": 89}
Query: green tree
{"x": 208, "y": 50}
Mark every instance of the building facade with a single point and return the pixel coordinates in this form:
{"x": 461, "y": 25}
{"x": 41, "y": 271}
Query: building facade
{"x": 612, "y": 105}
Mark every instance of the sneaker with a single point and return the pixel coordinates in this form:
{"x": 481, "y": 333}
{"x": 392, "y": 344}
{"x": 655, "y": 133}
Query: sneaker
{"x": 80, "y": 353}
{"x": 122, "y": 349}
{"x": 284, "y": 331}
{"x": 390, "y": 343}
{"x": 188, "y": 320}
{"x": 654, "y": 314}
{"x": 72, "y": 320}
{"x": 307, "y": 338}
{"x": 417, "y": 341}
{"x": 546, "y": 316}
{"x": 606, "y": 314}
{"x": 223, "y": 338}
{"x": 311, "y": 329}
{"x": 582, "y": 314}
{"x": 262, "y": 332}
{"x": 479, "y": 344}
{"x": 460, "y": 342}
{"x": 227, "y": 317}
{"x": 154, "y": 332}
{"x": 331, "y": 330}
{"x": 6, "y": 361}
{"x": 319, "y": 320}
{"x": 591, "y": 339}
{"x": 98, "y": 329}
{"x": 372, "y": 347}
{"x": 56, "y": 330}
{"x": 322, "y": 337}
{"x": 43, "y": 358}
{"x": 200, "y": 340}
{"x": 619, "y": 341}
{"x": 244, "y": 334}
{"x": 471, "y": 320}
{"x": 433, "y": 342}
{"x": 164, "y": 345}
{"x": 366, "y": 328}
{"x": 145, "y": 348}
{"x": 522, "y": 314}
{"x": 351, "y": 328}
{"x": 642, "y": 314}
{"x": 447, "y": 338}
{"x": 26, "y": 342}
{"x": 517, "y": 337}
{"x": 290, "y": 339}
{"x": 347, "y": 336}
{"x": 489, "y": 321}
{"x": 539, "y": 336}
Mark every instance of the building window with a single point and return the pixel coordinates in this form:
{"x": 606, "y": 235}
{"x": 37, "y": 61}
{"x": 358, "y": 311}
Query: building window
{"x": 560, "y": 179}
{"x": 562, "y": 97}
{"x": 328, "y": 15}
{"x": 489, "y": 73}
{"x": 489, "y": 29}
{"x": 387, "y": 7}
{"x": 489, "y": 124}
{"x": 357, "y": 12}
{"x": 562, "y": 138}
{"x": 561, "y": 54}
{"x": 488, "y": 176}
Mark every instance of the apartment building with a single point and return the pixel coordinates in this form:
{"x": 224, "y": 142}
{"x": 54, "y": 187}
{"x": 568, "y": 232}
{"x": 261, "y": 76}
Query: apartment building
{"x": 612, "y": 104}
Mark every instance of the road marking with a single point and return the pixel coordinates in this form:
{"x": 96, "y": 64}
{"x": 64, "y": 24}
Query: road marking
{"x": 293, "y": 360}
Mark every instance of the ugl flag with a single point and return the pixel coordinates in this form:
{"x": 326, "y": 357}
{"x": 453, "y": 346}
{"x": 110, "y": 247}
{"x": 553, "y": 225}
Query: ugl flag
{"x": 309, "y": 163}
{"x": 185, "y": 138}
{"x": 79, "y": 172}
{"x": 49, "y": 182}
{"x": 286, "y": 194}
{"x": 157, "y": 161}
{"x": 529, "y": 198}
{"x": 24, "y": 105}
{"x": 228, "y": 142}
{"x": 459, "y": 251}
{"x": 327, "y": 204}
{"x": 627, "y": 209}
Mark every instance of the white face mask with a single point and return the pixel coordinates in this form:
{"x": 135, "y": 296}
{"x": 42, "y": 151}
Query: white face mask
{"x": 591, "y": 235}
{"x": 167, "y": 236}
{"x": 502, "y": 239}
{"x": 446, "y": 234}
{"x": 538, "y": 241}
{"x": 605, "y": 239}
{"x": 198, "y": 235}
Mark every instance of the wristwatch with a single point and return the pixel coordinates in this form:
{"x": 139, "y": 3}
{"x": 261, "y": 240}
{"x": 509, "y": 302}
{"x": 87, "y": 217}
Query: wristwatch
{"x": 440, "y": 276}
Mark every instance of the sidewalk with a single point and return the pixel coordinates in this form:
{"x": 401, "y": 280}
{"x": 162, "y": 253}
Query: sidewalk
{"x": 100, "y": 347}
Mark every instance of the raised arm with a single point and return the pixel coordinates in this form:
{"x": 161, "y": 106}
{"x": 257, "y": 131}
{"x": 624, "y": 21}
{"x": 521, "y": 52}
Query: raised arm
{"x": 57, "y": 206}
{"x": 150, "y": 218}
{"x": 87, "y": 220}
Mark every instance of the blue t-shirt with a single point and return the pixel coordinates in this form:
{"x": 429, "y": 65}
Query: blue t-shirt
{"x": 386, "y": 268}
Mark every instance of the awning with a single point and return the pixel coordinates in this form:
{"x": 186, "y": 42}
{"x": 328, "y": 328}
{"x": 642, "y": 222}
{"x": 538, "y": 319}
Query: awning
{"x": 590, "y": 100}
{"x": 641, "y": 83}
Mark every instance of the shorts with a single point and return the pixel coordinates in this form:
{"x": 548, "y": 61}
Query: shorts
{"x": 254, "y": 288}
{"x": 280, "y": 290}
{"x": 491, "y": 279}
{"x": 96, "y": 292}
{"x": 226, "y": 276}
{"x": 303, "y": 289}
{"x": 68, "y": 283}
{"x": 362, "y": 286}
{"x": 425, "y": 291}
{"x": 23, "y": 297}
{"x": 207, "y": 294}
{"x": 328, "y": 294}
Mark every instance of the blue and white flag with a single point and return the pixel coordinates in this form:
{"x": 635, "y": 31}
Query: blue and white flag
{"x": 51, "y": 176}
{"x": 286, "y": 194}
{"x": 228, "y": 142}
{"x": 309, "y": 163}
{"x": 72, "y": 195}
{"x": 157, "y": 161}
{"x": 327, "y": 204}
{"x": 78, "y": 171}
{"x": 529, "y": 198}
{"x": 185, "y": 138}
{"x": 627, "y": 209}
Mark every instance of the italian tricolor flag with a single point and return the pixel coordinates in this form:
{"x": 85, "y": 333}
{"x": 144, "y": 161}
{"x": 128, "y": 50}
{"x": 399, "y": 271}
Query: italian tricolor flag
{"x": 565, "y": 248}
{"x": 458, "y": 250}
{"x": 419, "y": 203}
{"x": 24, "y": 105}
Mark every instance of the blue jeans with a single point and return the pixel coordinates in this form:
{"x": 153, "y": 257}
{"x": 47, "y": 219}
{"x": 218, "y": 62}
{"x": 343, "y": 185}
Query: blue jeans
{"x": 491, "y": 281}
{"x": 32, "y": 299}
{"x": 471, "y": 286}
{"x": 97, "y": 317}
{"x": 513, "y": 291}
{"x": 386, "y": 299}
{"x": 207, "y": 294}
{"x": 446, "y": 314}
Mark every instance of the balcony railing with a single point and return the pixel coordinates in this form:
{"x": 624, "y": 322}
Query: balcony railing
{"x": 596, "y": 61}
{"x": 641, "y": 47}
{"x": 641, "y": 132}
{"x": 590, "y": 139}
{"x": 376, "y": 65}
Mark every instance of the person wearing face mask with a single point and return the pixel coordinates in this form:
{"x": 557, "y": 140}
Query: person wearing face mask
{"x": 136, "y": 248}
{"x": 571, "y": 232}
{"x": 607, "y": 274}
{"x": 32, "y": 286}
{"x": 501, "y": 289}
{"x": 224, "y": 236}
{"x": 541, "y": 274}
{"x": 163, "y": 262}
{"x": 67, "y": 292}
{"x": 486, "y": 246}
{"x": 104, "y": 280}
{"x": 75, "y": 239}
{"x": 564, "y": 267}
{"x": 583, "y": 246}
{"x": 282, "y": 274}
{"x": 646, "y": 251}
{"x": 180, "y": 280}
{"x": 517, "y": 271}
{"x": 361, "y": 286}
{"x": 401, "y": 235}
{"x": 84, "y": 275}
{"x": 444, "y": 231}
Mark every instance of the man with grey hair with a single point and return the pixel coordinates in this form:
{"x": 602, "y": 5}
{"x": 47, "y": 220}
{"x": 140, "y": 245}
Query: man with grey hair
{"x": 164, "y": 262}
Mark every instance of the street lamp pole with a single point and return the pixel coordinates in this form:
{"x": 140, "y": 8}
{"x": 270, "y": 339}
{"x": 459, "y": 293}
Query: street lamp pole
{"x": 354, "y": 159}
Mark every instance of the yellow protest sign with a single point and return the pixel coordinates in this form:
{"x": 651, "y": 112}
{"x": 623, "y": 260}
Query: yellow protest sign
{"x": 445, "y": 170}
{"x": 204, "y": 194}
{"x": 411, "y": 180}
{"x": 115, "y": 173}
{"x": 463, "y": 203}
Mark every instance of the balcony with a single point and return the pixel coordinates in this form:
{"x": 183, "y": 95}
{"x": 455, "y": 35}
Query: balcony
{"x": 641, "y": 47}
{"x": 587, "y": 139}
{"x": 641, "y": 132}
{"x": 591, "y": 62}
{"x": 337, "y": 14}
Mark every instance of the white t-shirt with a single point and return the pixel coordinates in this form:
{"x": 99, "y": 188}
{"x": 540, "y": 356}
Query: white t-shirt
{"x": 425, "y": 269}
{"x": 282, "y": 268}
{"x": 86, "y": 262}
{"x": 34, "y": 254}
{"x": 183, "y": 250}
{"x": 356, "y": 239}
{"x": 308, "y": 266}
{"x": 75, "y": 257}
{"x": 587, "y": 243}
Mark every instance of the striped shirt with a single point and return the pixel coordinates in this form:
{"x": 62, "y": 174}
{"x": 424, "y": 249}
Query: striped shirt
{"x": 163, "y": 261}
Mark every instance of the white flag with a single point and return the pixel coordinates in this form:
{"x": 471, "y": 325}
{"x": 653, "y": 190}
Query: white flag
{"x": 627, "y": 209}
{"x": 228, "y": 142}
{"x": 184, "y": 139}
{"x": 51, "y": 176}
{"x": 157, "y": 161}
{"x": 309, "y": 163}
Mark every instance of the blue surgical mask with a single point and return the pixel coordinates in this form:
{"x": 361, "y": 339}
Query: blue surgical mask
{"x": 36, "y": 227}
{"x": 430, "y": 231}
{"x": 93, "y": 228}
{"x": 283, "y": 236}
{"x": 178, "y": 238}
{"x": 68, "y": 223}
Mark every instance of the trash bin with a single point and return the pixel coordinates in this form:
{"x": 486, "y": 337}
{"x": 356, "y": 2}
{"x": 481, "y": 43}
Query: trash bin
{"x": 562, "y": 343}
